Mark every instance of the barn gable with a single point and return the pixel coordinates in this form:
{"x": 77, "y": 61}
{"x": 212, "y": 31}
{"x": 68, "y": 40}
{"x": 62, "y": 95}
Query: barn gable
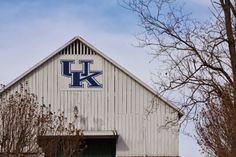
{"x": 108, "y": 98}
{"x": 78, "y": 46}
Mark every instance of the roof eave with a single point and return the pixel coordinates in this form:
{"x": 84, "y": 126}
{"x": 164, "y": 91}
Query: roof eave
{"x": 103, "y": 55}
{"x": 37, "y": 65}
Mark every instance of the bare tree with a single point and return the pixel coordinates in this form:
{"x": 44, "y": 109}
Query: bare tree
{"x": 62, "y": 145}
{"x": 23, "y": 120}
{"x": 215, "y": 128}
{"x": 199, "y": 60}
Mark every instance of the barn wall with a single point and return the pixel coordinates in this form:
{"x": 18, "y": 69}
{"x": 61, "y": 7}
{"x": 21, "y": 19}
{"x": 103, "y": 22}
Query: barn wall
{"x": 120, "y": 105}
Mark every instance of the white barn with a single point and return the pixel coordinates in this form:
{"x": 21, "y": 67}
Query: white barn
{"x": 109, "y": 98}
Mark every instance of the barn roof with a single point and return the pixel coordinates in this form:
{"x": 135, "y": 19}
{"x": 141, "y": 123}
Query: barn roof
{"x": 105, "y": 57}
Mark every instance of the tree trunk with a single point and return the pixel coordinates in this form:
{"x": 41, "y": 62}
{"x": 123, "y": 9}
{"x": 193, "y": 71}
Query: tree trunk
{"x": 231, "y": 44}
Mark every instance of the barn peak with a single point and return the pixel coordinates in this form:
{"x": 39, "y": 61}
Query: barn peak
{"x": 79, "y": 46}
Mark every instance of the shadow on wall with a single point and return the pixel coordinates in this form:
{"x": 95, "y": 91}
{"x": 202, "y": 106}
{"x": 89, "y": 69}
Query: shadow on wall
{"x": 97, "y": 123}
{"x": 121, "y": 145}
{"x": 83, "y": 122}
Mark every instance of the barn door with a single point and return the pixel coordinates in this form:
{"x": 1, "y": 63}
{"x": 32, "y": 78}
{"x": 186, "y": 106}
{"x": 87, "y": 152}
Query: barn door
{"x": 99, "y": 148}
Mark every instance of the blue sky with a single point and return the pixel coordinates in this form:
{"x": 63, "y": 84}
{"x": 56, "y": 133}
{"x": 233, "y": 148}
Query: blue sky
{"x": 30, "y": 30}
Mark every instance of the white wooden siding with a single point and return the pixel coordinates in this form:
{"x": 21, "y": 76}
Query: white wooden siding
{"x": 120, "y": 105}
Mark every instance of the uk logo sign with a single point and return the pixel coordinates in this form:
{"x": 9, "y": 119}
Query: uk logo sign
{"x": 81, "y": 77}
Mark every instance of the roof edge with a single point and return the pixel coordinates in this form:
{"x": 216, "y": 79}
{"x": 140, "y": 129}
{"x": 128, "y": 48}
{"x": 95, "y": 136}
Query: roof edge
{"x": 181, "y": 113}
{"x": 132, "y": 76}
{"x": 36, "y": 65}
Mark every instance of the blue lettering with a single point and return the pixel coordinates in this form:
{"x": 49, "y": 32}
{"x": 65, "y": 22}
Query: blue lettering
{"x": 79, "y": 77}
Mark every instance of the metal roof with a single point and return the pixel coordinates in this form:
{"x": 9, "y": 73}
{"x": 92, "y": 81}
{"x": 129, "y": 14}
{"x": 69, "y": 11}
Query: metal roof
{"x": 103, "y": 134}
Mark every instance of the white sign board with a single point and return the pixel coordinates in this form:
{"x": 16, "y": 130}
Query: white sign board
{"x": 81, "y": 72}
